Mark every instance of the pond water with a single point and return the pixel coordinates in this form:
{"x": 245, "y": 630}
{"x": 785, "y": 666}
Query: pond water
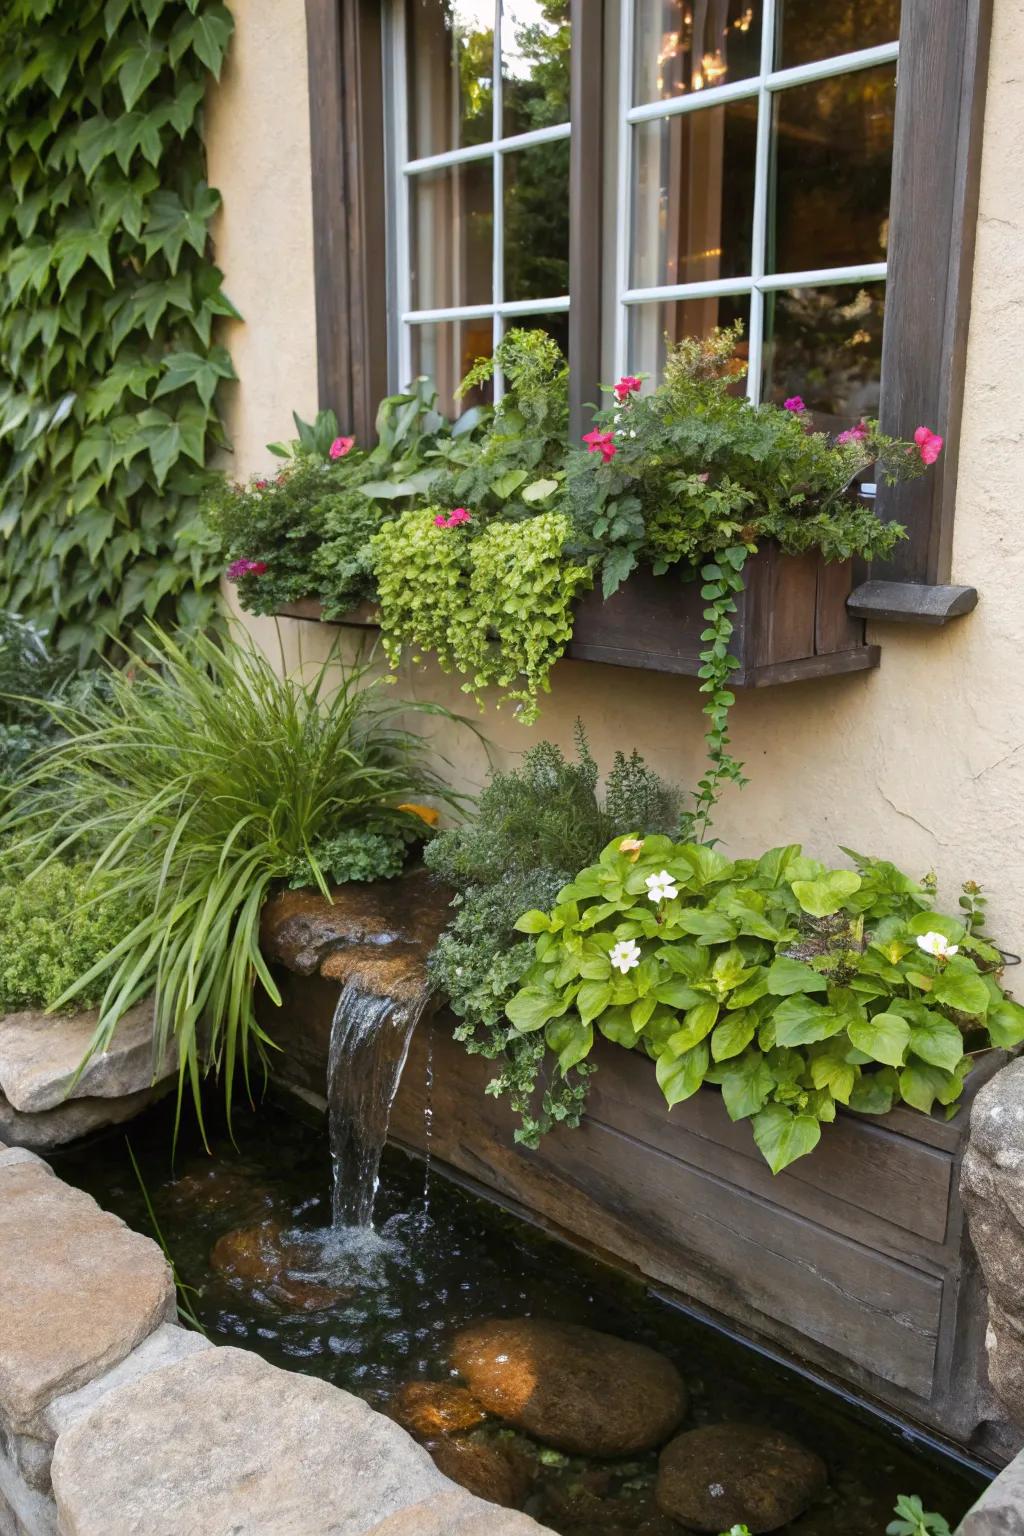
{"x": 248, "y": 1229}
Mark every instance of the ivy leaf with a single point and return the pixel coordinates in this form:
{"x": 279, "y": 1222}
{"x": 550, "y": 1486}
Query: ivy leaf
{"x": 182, "y": 369}
{"x": 884, "y": 1038}
{"x": 207, "y": 36}
{"x": 170, "y": 225}
{"x": 139, "y": 63}
{"x": 936, "y": 1040}
{"x": 783, "y": 1135}
{"x": 823, "y": 897}
{"x": 113, "y": 15}
{"x": 618, "y": 564}
{"x": 74, "y": 248}
{"x": 787, "y": 976}
{"x": 181, "y": 113}
{"x": 746, "y": 1084}
{"x": 28, "y": 266}
{"x": 679, "y": 1077}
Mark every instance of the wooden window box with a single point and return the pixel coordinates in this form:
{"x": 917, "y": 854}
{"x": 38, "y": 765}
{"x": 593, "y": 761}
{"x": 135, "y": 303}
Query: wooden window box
{"x": 791, "y": 622}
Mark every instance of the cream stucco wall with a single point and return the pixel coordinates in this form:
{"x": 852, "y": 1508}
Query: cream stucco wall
{"x": 921, "y": 761}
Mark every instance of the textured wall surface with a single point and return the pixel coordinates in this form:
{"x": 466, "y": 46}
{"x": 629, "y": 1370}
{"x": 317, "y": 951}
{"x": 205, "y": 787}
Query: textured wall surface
{"x": 922, "y": 761}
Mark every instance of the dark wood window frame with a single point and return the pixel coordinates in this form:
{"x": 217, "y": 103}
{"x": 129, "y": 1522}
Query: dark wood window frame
{"x": 937, "y": 153}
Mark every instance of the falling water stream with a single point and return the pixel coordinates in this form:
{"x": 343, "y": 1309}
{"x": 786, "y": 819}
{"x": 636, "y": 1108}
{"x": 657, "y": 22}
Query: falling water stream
{"x": 369, "y": 1043}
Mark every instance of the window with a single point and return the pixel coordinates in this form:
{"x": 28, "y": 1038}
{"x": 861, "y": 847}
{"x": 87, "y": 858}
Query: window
{"x": 480, "y": 176}
{"x": 727, "y": 160}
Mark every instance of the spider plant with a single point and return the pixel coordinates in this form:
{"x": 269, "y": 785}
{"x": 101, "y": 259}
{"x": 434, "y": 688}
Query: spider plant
{"x": 202, "y": 776}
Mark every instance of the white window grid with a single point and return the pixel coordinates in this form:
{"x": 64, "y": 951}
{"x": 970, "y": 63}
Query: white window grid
{"x": 763, "y": 87}
{"x": 500, "y": 144}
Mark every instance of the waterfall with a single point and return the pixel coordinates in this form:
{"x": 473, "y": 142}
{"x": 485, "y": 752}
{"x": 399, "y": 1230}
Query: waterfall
{"x": 370, "y": 1039}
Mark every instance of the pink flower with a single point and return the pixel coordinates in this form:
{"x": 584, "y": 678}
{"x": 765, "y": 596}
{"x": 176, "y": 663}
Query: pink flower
{"x": 341, "y": 446}
{"x": 627, "y": 385}
{"x": 929, "y": 444}
{"x": 260, "y": 485}
{"x": 795, "y": 403}
{"x": 440, "y": 521}
{"x": 705, "y": 477}
{"x": 600, "y": 442}
{"x": 240, "y": 568}
{"x": 459, "y": 516}
{"x": 855, "y": 434}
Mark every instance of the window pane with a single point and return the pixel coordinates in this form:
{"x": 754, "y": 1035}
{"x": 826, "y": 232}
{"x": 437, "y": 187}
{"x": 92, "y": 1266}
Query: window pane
{"x": 809, "y": 30}
{"x": 537, "y": 222}
{"x": 693, "y": 196}
{"x": 445, "y": 351}
{"x": 556, "y": 325}
{"x": 534, "y": 64}
{"x": 833, "y": 144}
{"x": 648, "y": 325}
{"x": 689, "y": 45}
{"x": 826, "y": 345}
{"x": 449, "y": 45}
{"x": 451, "y": 223}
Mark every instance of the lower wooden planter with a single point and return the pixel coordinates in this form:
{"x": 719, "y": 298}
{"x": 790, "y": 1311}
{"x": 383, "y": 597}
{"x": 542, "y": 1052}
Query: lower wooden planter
{"x": 791, "y": 622}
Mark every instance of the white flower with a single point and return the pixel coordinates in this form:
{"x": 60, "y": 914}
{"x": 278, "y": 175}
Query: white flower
{"x": 662, "y": 887}
{"x": 936, "y": 944}
{"x": 625, "y": 955}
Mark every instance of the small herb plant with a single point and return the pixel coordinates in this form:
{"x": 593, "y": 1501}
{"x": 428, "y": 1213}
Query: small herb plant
{"x": 914, "y": 1520}
{"x": 793, "y": 987}
{"x": 517, "y": 851}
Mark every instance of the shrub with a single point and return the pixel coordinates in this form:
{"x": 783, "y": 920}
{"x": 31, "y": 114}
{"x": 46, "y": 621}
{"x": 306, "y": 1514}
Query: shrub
{"x": 54, "y": 927}
{"x": 794, "y": 987}
{"x": 208, "y": 778}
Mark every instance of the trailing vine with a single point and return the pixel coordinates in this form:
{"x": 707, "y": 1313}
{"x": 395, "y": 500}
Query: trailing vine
{"x": 108, "y": 300}
{"x": 722, "y": 578}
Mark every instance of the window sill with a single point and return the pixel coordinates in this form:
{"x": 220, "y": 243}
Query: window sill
{"x": 910, "y": 602}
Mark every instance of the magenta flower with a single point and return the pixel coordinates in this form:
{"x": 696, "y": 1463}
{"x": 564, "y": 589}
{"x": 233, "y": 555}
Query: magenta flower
{"x": 240, "y": 568}
{"x": 602, "y": 443}
{"x": 440, "y": 521}
{"x": 341, "y": 446}
{"x": 929, "y": 444}
{"x": 795, "y": 403}
{"x": 456, "y": 518}
{"x": 628, "y": 385}
{"x": 855, "y": 434}
{"x": 260, "y": 485}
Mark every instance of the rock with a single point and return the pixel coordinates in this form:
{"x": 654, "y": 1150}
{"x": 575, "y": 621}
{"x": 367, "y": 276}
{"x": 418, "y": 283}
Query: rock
{"x": 207, "y": 1189}
{"x": 78, "y": 1292}
{"x": 1000, "y": 1510}
{"x": 571, "y": 1387}
{"x": 456, "y": 1514}
{"x": 382, "y": 929}
{"x": 224, "y": 1442}
{"x": 992, "y": 1188}
{"x": 430, "y": 1408}
{"x": 40, "y": 1053}
{"x": 13, "y": 1157}
{"x": 267, "y": 1264}
{"x": 165, "y": 1346}
{"x": 738, "y": 1474}
{"x": 485, "y": 1470}
{"x": 70, "y": 1121}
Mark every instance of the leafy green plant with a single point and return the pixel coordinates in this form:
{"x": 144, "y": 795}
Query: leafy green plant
{"x": 108, "y": 301}
{"x": 915, "y": 1520}
{"x": 516, "y": 852}
{"x": 792, "y": 986}
{"x": 206, "y": 777}
{"x": 54, "y": 927}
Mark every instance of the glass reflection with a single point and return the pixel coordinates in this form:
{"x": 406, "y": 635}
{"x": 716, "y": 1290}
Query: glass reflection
{"x": 535, "y": 37}
{"x": 537, "y": 222}
{"x": 651, "y": 326}
{"x": 833, "y": 170}
{"x": 693, "y": 196}
{"x": 692, "y": 45}
{"x": 809, "y": 30}
{"x": 450, "y": 51}
{"x": 826, "y": 345}
{"x": 445, "y": 351}
{"x": 451, "y": 224}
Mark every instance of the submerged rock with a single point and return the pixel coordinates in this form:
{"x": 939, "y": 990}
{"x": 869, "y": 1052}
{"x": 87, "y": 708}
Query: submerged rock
{"x": 489, "y": 1471}
{"x": 571, "y": 1387}
{"x": 268, "y": 1264}
{"x": 430, "y": 1408}
{"x": 738, "y": 1474}
{"x": 208, "y": 1189}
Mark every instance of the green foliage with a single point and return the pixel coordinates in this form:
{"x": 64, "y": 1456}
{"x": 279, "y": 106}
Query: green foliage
{"x": 206, "y": 777}
{"x": 516, "y": 853}
{"x": 108, "y": 300}
{"x": 493, "y": 603}
{"x": 697, "y": 470}
{"x": 29, "y": 675}
{"x": 793, "y": 987}
{"x": 54, "y": 927}
{"x": 377, "y": 850}
{"x": 915, "y": 1520}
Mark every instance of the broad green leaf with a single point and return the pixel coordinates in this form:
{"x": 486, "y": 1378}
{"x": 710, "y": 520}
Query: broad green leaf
{"x": 873, "y": 1094}
{"x": 679, "y": 1077}
{"x": 783, "y": 1135}
{"x": 188, "y": 369}
{"x": 831, "y": 1070}
{"x": 959, "y": 986}
{"x": 570, "y": 1040}
{"x": 511, "y": 480}
{"x": 1005, "y": 1023}
{"x": 936, "y": 922}
{"x": 593, "y": 998}
{"x": 824, "y": 896}
{"x": 677, "y": 994}
{"x": 936, "y": 1040}
{"x": 706, "y": 927}
{"x": 532, "y": 922}
{"x": 733, "y": 1035}
{"x": 884, "y": 1038}
{"x": 799, "y": 1021}
{"x": 29, "y": 266}
{"x": 539, "y": 490}
{"x": 532, "y": 1007}
{"x": 206, "y": 35}
{"x": 746, "y": 1083}
{"x": 787, "y": 976}
{"x": 921, "y": 1084}
{"x": 140, "y": 61}
{"x": 616, "y": 1025}
{"x": 698, "y": 1022}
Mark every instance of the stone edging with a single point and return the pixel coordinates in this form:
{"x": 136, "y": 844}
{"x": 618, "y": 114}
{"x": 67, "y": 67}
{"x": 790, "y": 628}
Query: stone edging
{"x": 114, "y": 1420}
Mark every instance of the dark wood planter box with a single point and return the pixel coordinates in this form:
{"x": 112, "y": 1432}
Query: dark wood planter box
{"x": 791, "y": 622}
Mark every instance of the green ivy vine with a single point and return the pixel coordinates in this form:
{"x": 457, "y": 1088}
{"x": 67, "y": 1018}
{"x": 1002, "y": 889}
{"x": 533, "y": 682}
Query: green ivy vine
{"x": 722, "y": 578}
{"x": 108, "y": 302}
